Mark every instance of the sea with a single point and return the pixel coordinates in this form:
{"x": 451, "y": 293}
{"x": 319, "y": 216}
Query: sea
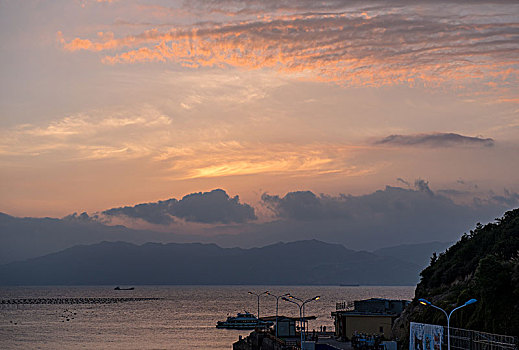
{"x": 183, "y": 318}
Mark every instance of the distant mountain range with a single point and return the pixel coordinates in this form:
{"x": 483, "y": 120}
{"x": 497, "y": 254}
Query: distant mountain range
{"x": 68, "y": 251}
{"x": 418, "y": 254}
{"x": 308, "y": 262}
{"x": 24, "y": 238}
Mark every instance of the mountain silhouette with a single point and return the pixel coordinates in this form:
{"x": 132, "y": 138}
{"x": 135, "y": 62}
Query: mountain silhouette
{"x": 308, "y": 262}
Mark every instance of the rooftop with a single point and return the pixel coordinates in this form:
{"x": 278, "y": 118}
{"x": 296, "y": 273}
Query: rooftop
{"x": 281, "y": 317}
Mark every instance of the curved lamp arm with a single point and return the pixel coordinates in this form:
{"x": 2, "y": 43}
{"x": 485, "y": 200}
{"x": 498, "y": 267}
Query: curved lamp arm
{"x": 471, "y": 301}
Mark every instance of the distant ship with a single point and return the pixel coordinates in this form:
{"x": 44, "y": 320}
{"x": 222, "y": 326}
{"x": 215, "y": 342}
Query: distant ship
{"x": 243, "y": 321}
{"x": 119, "y": 288}
{"x": 349, "y": 285}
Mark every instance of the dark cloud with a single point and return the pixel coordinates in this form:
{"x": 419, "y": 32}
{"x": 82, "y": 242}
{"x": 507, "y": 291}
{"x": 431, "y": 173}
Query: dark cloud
{"x": 386, "y": 217}
{"x": 159, "y": 213}
{"x": 453, "y": 192}
{"x": 423, "y": 186}
{"x": 83, "y": 217}
{"x": 467, "y": 183}
{"x": 509, "y": 198}
{"x": 207, "y": 207}
{"x": 255, "y": 7}
{"x": 302, "y": 205}
{"x": 435, "y": 140}
{"x": 399, "y": 179}
{"x": 306, "y": 206}
{"x": 213, "y": 207}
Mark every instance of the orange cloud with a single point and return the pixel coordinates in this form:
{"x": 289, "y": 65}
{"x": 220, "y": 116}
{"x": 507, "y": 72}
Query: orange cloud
{"x": 209, "y": 160}
{"x": 365, "y": 49}
{"x": 84, "y": 137}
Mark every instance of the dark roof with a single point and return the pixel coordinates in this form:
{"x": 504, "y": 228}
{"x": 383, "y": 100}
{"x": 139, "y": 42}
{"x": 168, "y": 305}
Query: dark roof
{"x": 384, "y": 299}
{"x": 281, "y": 317}
{"x": 363, "y": 313}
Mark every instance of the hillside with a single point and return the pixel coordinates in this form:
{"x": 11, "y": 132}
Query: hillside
{"x": 483, "y": 264}
{"x": 304, "y": 262}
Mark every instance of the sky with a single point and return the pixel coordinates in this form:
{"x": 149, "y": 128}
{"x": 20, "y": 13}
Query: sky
{"x": 111, "y": 103}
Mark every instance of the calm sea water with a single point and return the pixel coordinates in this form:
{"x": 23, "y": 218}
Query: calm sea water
{"x": 184, "y": 319}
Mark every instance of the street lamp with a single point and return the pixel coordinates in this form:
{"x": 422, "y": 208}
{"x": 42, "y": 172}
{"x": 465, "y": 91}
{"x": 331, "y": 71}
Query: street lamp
{"x": 277, "y": 302}
{"x": 304, "y": 302}
{"x": 428, "y": 303}
{"x": 301, "y": 306}
{"x": 258, "y": 295}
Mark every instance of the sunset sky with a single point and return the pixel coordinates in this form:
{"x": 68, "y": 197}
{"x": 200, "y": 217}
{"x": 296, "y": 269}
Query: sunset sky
{"x": 112, "y": 103}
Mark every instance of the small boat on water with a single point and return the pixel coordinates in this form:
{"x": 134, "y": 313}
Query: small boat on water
{"x": 119, "y": 288}
{"x": 243, "y": 321}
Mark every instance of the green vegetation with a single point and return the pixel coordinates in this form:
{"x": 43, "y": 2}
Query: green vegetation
{"x": 483, "y": 265}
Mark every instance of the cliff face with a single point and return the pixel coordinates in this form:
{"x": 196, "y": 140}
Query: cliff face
{"x": 484, "y": 265}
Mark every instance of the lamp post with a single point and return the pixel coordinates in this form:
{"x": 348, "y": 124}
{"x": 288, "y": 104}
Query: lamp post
{"x": 301, "y": 306}
{"x": 302, "y": 323}
{"x": 258, "y": 295}
{"x": 304, "y": 302}
{"x": 277, "y": 303}
{"x": 428, "y": 303}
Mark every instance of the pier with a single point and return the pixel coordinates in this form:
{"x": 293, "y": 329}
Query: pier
{"x": 34, "y": 301}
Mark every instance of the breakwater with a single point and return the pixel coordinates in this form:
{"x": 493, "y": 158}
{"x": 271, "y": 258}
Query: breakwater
{"x": 29, "y": 301}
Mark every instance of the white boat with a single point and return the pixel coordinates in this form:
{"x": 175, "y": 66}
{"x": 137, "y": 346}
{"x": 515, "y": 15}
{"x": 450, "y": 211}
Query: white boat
{"x": 243, "y": 321}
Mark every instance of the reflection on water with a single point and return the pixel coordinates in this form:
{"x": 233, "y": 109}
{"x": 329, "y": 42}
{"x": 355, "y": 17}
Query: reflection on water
{"x": 184, "y": 318}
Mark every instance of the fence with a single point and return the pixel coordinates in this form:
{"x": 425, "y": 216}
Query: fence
{"x": 464, "y": 339}
{"x": 343, "y": 305}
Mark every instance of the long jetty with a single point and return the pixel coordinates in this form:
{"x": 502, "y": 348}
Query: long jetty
{"x": 28, "y": 301}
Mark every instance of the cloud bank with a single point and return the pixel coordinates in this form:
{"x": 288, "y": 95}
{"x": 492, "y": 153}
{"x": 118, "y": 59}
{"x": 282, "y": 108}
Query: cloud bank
{"x": 383, "y": 218}
{"x": 391, "y": 216}
{"x": 215, "y": 207}
{"x": 393, "y": 201}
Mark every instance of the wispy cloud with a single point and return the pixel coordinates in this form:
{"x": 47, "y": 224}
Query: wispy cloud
{"x": 179, "y": 153}
{"x": 87, "y": 136}
{"x": 379, "y": 46}
{"x": 436, "y": 140}
{"x": 235, "y": 159}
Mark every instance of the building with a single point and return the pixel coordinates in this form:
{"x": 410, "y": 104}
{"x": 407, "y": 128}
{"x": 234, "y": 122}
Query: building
{"x": 288, "y": 326}
{"x": 373, "y": 316}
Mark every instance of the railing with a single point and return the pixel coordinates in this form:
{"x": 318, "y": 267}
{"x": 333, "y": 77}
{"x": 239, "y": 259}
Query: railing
{"x": 286, "y": 344}
{"x": 464, "y": 339}
{"x": 344, "y": 305}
